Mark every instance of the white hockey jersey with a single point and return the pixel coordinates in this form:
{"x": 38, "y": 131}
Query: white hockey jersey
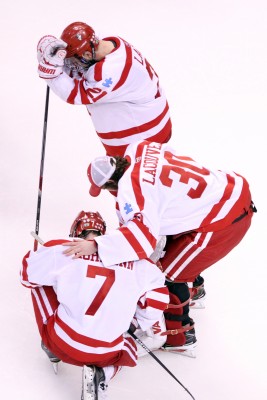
{"x": 97, "y": 304}
{"x": 123, "y": 97}
{"x": 162, "y": 193}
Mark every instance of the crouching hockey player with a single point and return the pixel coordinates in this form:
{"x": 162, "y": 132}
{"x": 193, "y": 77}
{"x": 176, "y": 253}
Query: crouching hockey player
{"x": 83, "y": 310}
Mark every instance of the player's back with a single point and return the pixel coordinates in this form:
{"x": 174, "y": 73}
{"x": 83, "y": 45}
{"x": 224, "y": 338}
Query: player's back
{"x": 95, "y": 302}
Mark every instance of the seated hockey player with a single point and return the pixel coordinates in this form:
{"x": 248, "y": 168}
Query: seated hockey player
{"x": 204, "y": 213}
{"x": 83, "y": 310}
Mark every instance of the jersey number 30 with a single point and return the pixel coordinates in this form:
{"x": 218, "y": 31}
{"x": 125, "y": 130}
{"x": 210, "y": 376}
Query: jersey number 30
{"x": 185, "y": 171}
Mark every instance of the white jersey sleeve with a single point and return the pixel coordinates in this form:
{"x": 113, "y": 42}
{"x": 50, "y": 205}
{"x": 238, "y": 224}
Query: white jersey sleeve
{"x": 148, "y": 307}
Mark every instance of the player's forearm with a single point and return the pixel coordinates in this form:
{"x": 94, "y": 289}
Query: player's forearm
{"x": 122, "y": 245}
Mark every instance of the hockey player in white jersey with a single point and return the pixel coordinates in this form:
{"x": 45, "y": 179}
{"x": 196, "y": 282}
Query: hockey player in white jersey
{"x": 115, "y": 82}
{"x": 204, "y": 213}
{"x": 83, "y": 309}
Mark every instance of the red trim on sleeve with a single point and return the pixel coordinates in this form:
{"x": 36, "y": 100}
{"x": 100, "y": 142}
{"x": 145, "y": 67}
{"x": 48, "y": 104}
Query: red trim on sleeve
{"x": 159, "y": 305}
{"x": 74, "y": 92}
{"x": 84, "y": 97}
{"x": 129, "y": 236}
{"x": 162, "y": 290}
{"x": 145, "y": 230}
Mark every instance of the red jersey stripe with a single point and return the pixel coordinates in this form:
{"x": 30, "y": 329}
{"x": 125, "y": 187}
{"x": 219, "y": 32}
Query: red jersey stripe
{"x": 136, "y": 129}
{"x": 145, "y": 230}
{"x": 98, "y": 70}
{"x": 41, "y": 300}
{"x": 135, "y": 178}
{"x": 162, "y": 136}
{"x": 217, "y": 207}
{"x": 84, "y": 96}
{"x": 24, "y": 273}
{"x": 129, "y": 236}
{"x": 56, "y": 242}
{"x": 84, "y": 339}
{"x": 162, "y": 290}
{"x": 159, "y": 305}
{"x": 191, "y": 250}
{"x": 74, "y": 92}
{"x": 127, "y": 67}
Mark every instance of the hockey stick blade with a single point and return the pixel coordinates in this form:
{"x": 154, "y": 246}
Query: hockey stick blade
{"x": 158, "y": 361}
{"x": 36, "y": 237}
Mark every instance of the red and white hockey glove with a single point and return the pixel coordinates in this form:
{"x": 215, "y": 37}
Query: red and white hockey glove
{"x": 50, "y": 54}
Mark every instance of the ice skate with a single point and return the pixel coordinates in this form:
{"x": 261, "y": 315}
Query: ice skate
{"x": 199, "y": 294}
{"x": 188, "y": 349}
{"x": 93, "y": 383}
{"x": 54, "y": 360}
{"x": 198, "y": 300}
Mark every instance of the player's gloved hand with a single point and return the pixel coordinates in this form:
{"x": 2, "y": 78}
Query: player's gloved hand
{"x": 133, "y": 326}
{"x": 50, "y": 54}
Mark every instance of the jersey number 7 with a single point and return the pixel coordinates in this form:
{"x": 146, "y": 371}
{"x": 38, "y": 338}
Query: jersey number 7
{"x": 109, "y": 274}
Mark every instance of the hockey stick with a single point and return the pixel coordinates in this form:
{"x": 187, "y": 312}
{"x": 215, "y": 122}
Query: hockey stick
{"x": 37, "y": 223}
{"x": 158, "y": 361}
{"x": 37, "y": 238}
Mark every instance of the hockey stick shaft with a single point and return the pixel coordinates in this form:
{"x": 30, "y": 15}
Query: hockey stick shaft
{"x": 158, "y": 361}
{"x": 39, "y": 199}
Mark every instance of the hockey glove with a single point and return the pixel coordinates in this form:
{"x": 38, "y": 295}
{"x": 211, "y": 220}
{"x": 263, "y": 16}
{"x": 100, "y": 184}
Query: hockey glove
{"x": 50, "y": 54}
{"x": 134, "y": 325}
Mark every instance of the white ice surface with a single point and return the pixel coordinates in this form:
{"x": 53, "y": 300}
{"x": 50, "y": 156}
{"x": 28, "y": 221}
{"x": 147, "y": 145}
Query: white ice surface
{"x": 211, "y": 57}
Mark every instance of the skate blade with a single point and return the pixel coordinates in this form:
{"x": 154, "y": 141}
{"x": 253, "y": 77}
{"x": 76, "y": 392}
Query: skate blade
{"x": 185, "y": 353}
{"x": 88, "y": 389}
{"x": 55, "y": 366}
{"x": 197, "y": 304}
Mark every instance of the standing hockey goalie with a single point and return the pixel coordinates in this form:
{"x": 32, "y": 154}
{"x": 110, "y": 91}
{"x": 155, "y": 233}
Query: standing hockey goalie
{"x": 84, "y": 310}
{"x": 115, "y": 82}
{"x": 204, "y": 213}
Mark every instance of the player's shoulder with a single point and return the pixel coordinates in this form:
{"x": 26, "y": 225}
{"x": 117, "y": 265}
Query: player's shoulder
{"x": 55, "y": 242}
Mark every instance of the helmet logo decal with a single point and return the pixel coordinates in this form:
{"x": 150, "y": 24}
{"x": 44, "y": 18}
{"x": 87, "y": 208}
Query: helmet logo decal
{"x": 107, "y": 82}
{"x": 79, "y": 36}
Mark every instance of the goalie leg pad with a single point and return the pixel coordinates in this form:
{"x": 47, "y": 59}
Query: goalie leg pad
{"x": 177, "y": 317}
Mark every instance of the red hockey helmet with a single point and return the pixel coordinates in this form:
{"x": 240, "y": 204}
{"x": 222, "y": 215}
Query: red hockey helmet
{"x": 79, "y": 37}
{"x": 87, "y": 221}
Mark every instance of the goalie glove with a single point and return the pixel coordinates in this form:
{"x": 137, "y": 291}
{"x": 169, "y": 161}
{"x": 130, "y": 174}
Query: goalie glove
{"x": 50, "y": 54}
